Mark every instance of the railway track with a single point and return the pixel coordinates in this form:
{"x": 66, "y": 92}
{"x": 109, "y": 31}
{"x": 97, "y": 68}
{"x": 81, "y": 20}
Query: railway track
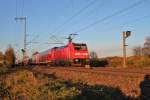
{"x": 144, "y": 71}
{"x": 106, "y": 72}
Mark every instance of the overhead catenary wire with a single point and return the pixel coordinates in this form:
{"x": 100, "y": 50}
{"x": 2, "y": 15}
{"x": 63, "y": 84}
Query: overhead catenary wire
{"x": 69, "y": 20}
{"x": 33, "y": 40}
{"x": 123, "y": 24}
{"x": 16, "y": 7}
{"x": 112, "y": 15}
{"x": 90, "y": 13}
{"x": 21, "y": 18}
{"x": 22, "y": 10}
{"x": 74, "y": 15}
{"x": 137, "y": 19}
{"x": 54, "y": 38}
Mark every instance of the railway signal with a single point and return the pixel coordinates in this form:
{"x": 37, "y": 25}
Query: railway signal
{"x": 126, "y": 34}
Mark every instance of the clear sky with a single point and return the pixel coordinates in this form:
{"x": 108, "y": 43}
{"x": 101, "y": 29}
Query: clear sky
{"x": 99, "y": 23}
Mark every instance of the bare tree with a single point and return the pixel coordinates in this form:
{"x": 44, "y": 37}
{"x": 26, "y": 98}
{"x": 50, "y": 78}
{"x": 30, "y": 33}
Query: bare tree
{"x": 137, "y": 51}
{"x": 1, "y": 56}
{"x": 10, "y": 56}
{"x": 93, "y": 55}
{"x": 146, "y": 49}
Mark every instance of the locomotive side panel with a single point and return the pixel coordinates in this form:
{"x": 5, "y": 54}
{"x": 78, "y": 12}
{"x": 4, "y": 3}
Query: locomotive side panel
{"x": 60, "y": 55}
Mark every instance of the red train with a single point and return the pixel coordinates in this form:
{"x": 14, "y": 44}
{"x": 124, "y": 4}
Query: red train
{"x": 70, "y": 54}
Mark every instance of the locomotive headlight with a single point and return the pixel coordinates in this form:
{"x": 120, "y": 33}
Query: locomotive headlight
{"x": 85, "y": 54}
{"x": 76, "y": 60}
{"x": 77, "y": 54}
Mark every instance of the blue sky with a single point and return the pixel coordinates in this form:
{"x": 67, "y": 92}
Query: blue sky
{"x": 46, "y": 17}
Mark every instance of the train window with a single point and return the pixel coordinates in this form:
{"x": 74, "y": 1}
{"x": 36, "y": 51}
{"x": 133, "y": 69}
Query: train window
{"x": 84, "y": 47}
{"x": 80, "y": 47}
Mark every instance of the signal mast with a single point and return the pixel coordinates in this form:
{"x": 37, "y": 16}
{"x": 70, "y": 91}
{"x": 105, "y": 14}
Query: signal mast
{"x": 125, "y": 34}
{"x": 24, "y": 50}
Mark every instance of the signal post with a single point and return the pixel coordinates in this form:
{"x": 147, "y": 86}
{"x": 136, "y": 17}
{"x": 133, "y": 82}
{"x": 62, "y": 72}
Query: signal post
{"x": 126, "y": 34}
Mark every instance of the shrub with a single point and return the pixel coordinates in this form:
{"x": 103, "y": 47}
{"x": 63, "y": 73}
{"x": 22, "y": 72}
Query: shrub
{"x": 10, "y": 56}
{"x": 98, "y": 62}
{"x": 3, "y": 70}
{"x": 139, "y": 61}
{"x": 114, "y": 61}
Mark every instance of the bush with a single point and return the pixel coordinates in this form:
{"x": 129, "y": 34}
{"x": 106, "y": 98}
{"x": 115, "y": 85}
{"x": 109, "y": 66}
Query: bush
{"x": 114, "y": 61}
{"x": 133, "y": 61}
{"x": 3, "y": 68}
{"x": 98, "y": 63}
{"x": 139, "y": 61}
{"x": 10, "y": 56}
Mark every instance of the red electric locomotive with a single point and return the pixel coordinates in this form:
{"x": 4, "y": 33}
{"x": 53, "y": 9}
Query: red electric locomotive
{"x": 70, "y": 54}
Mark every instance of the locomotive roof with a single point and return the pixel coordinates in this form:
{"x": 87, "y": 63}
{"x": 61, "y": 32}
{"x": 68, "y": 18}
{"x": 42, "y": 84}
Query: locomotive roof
{"x": 35, "y": 53}
{"x": 66, "y": 45}
{"x": 60, "y": 47}
{"x": 45, "y": 52}
{"x": 78, "y": 43}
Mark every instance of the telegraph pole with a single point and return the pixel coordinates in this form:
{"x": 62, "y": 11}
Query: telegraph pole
{"x": 25, "y": 35}
{"x": 126, "y": 34}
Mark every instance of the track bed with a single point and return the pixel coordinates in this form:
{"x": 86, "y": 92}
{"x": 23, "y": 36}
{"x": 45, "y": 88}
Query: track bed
{"x": 128, "y": 80}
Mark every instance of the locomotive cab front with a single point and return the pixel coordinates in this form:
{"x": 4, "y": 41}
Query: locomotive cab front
{"x": 81, "y": 55}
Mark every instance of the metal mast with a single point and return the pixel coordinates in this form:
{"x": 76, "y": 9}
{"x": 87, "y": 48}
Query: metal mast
{"x": 25, "y": 35}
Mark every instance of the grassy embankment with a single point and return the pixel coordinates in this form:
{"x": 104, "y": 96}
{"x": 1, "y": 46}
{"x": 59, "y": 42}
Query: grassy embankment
{"x": 21, "y": 84}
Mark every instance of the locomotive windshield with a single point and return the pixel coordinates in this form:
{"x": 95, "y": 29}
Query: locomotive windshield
{"x": 80, "y": 46}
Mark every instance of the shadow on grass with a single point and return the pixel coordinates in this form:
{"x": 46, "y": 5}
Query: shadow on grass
{"x": 97, "y": 92}
{"x": 4, "y": 93}
{"x": 51, "y": 76}
{"x": 103, "y": 92}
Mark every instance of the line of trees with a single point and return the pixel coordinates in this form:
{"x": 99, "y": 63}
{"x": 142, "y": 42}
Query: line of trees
{"x": 8, "y": 58}
{"x": 143, "y": 51}
{"x": 97, "y": 62}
